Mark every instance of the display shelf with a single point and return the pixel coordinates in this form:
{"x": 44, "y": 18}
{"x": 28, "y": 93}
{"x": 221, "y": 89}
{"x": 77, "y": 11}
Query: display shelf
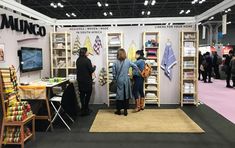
{"x": 114, "y": 41}
{"x": 60, "y": 53}
{"x": 10, "y": 111}
{"x": 188, "y": 68}
{"x": 152, "y": 54}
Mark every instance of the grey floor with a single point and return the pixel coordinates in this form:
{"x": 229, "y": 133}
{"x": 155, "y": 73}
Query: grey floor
{"x": 219, "y": 133}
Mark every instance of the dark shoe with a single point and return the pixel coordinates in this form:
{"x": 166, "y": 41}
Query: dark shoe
{"x": 210, "y": 82}
{"x": 205, "y": 82}
{"x": 118, "y": 112}
{"x": 125, "y": 112}
{"x": 229, "y": 86}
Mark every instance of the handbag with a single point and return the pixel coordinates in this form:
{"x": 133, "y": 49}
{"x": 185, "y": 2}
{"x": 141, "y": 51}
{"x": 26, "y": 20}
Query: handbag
{"x": 113, "y": 84}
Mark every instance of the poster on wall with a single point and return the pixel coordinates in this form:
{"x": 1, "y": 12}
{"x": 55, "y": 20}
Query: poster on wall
{"x": 2, "y": 56}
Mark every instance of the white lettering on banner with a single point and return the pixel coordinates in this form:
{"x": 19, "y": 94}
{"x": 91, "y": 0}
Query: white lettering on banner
{"x": 174, "y": 26}
{"x": 89, "y": 30}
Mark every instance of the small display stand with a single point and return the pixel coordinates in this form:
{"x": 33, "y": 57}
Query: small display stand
{"x": 152, "y": 53}
{"x": 17, "y": 115}
{"x": 189, "y": 68}
{"x": 114, "y": 42}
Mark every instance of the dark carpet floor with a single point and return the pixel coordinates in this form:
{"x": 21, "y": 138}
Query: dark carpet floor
{"x": 219, "y": 133}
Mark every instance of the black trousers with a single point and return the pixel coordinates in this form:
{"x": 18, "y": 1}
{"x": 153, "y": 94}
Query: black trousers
{"x": 207, "y": 73}
{"x": 122, "y": 104}
{"x": 85, "y": 99}
{"x": 138, "y": 87}
{"x": 233, "y": 78}
{"x": 228, "y": 77}
{"x": 216, "y": 70}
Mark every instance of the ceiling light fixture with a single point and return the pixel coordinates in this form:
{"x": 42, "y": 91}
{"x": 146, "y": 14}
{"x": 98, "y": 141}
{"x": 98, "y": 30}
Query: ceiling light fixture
{"x": 67, "y": 15}
{"x": 99, "y": 4}
{"x": 110, "y": 13}
{"x": 211, "y": 18}
{"x": 229, "y": 23}
{"x": 197, "y": 1}
{"x": 142, "y": 12}
{"x": 188, "y": 11}
{"x": 181, "y": 12}
{"x": 52, "y": 4}
{"x": 146, "y": 2}
{"x": 73, "y": 14}
{"x": 106, "y": 4}
{"x": 229, "y": 10}
{"x": 199, "y": 23}
{"x": 153, "y": 2}
{"x": 105, "y": 14}
{"x": 148, "y": 13}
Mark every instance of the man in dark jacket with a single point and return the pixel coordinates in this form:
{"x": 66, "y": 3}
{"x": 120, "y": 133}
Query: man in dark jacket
{"x": 216, "y": 63}
{"x": 228, "y": 68}
{"x": 84, "y": 78}
{"x": 208, "y": 67}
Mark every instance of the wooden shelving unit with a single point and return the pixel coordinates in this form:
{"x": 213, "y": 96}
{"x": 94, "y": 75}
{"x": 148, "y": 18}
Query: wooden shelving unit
{"x": 189, "y": 68}
{"x": 114, "y": 42}
{"x": 152, "y": 53}
{"x": 61, "y": 54}
{"x": 13, "y": 127}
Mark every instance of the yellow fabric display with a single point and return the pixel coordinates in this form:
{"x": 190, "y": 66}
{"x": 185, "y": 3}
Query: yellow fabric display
{"x": 88, "y": 45}
{"x": 32, "y": 92}
{"x": 131, "y": 54}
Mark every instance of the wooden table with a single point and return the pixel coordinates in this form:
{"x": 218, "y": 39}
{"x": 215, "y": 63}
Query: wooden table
{"x": 48, "y": 85}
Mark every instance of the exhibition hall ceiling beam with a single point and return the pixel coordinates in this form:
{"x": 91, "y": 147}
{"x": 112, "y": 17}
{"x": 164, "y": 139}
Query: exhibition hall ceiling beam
{"x": 126, "y": 21}
{"x": 11, "y": 4}
{"x": 215, "y": 10}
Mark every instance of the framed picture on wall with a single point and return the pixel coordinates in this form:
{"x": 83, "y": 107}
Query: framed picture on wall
{"x": 2, "y": 54}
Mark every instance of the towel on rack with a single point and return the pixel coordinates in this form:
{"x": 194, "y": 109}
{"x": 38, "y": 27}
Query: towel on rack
{"x": 88, "y": 45}
{"x": 168, "y": 61}
{"x": 97, "y": 45}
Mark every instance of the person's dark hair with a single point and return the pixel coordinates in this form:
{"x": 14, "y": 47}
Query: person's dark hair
{"x": 140, "y": 52}
{"x": 207, "y": 53}
{"x": 230, "y": 51}
{"x": 82, "y": 52}
{"x": 121, "y": 54}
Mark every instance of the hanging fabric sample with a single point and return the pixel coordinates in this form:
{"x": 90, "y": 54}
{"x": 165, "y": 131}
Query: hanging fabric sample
{"x": 103, "y": 77}
{"x": 76, "y": 45}
{"x": 97, "y": 45}
{"x": 131, "y": 54}
{"x": 168, "y": 60}
{"x": 88, "y": 45}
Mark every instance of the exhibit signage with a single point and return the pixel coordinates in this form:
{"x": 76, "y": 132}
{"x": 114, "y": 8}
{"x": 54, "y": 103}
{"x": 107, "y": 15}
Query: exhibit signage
{"x": 22, "y": 25}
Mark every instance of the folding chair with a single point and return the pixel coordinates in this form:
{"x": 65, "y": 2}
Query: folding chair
{"x": 58, "y": 99}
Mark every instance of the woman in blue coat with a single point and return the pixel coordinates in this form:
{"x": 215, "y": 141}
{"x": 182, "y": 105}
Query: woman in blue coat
{"x": 120, "y": 73}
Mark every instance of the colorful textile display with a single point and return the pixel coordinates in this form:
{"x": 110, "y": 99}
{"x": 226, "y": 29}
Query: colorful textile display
{"x": 76, "y": 45}
{"x": 12, "y": 134}
{"x": 103, "y": 77}
{"x": 97, "y": 45}
{"x": 88, "y": 45}
{"x": 168, "y": 61}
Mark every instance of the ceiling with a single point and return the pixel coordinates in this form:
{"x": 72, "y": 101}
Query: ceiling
{"x": 88, "y": 9}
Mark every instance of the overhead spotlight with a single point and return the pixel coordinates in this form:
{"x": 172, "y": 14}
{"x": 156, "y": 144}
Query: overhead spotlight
{"x": 200, "y": 2}
{"x": 153, "y": 2}
{"x": 148, "y": 13}
{"x": 99, "y": 4}
{"x": 55, "y": 6}
{"x": 211, "y": 18}
{"x": 199, "y": 23}
{"x": 146, "y": 2}
{"x": 60, "y": 5}
{"x": 73, "y": 14}
{"x": 52, "y": 4}
{"x": 193, "y": 2}
{"x": 181, "y": 12}
{"x": 67, "y": 15}
{"x": 188, "y": 11}
{"x": 229, "y": 23}
{"x": 110, "y": 13}
{"x": 105, "y": 14}
{"x": 106, "y": 4}
{"x": 229, "y": 10}
{"x": 142, "y": 12}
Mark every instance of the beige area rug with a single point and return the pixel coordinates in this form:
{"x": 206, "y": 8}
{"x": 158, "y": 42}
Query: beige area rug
{"x": 149, "y": 120}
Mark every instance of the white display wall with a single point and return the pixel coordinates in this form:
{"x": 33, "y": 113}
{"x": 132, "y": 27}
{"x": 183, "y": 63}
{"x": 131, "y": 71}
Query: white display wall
{"x": 10, "y": 40}
{"x": 169, "y": 89}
